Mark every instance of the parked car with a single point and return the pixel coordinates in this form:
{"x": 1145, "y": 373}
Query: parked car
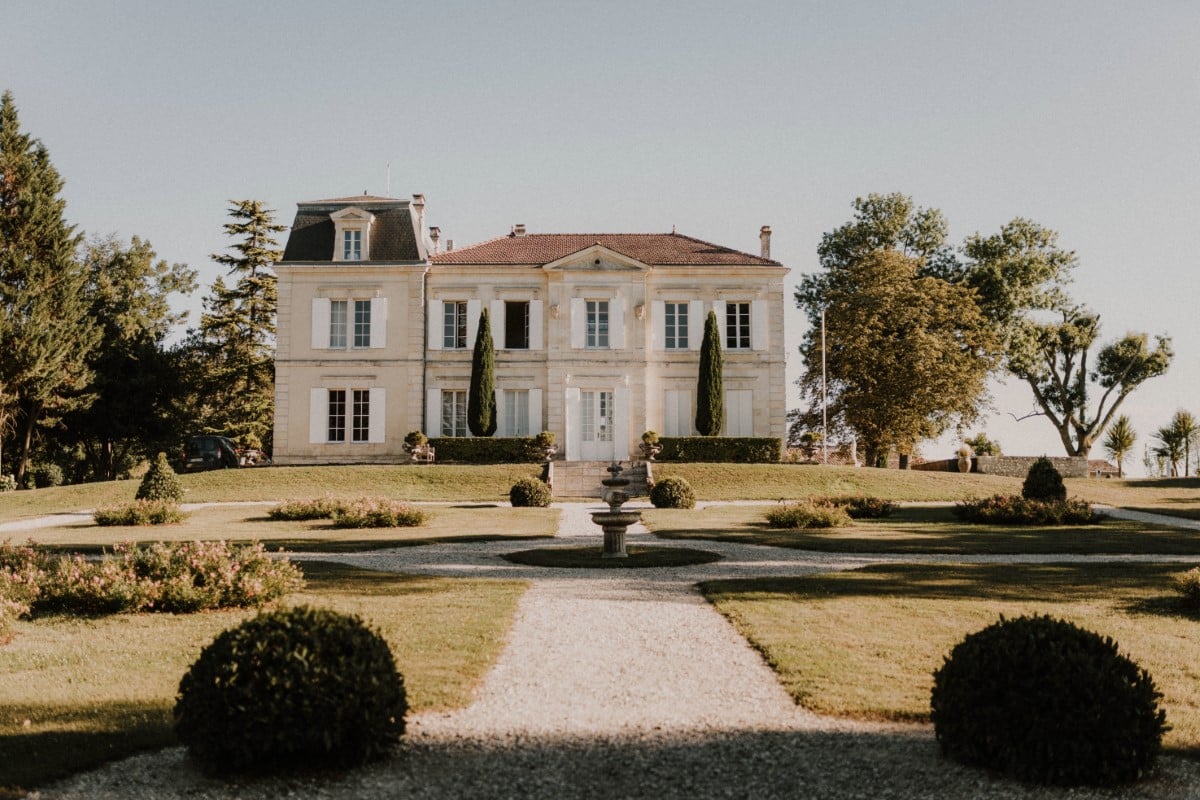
{"x": 209, "y": 452}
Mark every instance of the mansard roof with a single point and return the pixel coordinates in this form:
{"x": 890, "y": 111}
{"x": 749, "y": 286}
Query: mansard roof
{"x": 393, "y": 233}
{"x": 648, "y": 248}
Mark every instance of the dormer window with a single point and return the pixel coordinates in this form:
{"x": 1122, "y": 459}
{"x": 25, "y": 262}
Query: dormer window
{"x": 352, "y": 234}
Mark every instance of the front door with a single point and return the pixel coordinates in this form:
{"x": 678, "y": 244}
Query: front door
{"x": 596, "y": 426}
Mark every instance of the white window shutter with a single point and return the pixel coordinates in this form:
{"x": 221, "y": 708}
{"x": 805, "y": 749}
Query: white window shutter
{"x": 433, "y": 412}
{"x": 616, "y": 323}
{"x": 320, "y": 323}
{"x": 572, "y": 433}
{"x": 686, "y": 417}
{"x": 758, "y": 324}
{"x": 671, "y": 413}
{"x": 435, "y": 324}
{"x": 718, "y": 308}
{"x": 473, "y": 309}
{"x": 578, "y": 322}
{"x": 695, "y": 324}
{"x": 658, "y": 310}
{"x": 536, "y": 342}
{"x": 747, "y": 413}
{"x": 497, "y": 315}
{"x": 379, "y": 319}
{"x": 535, "y": 412}
{"x": 501, "y": 423}
{"x": 621, "y": 422}
{"x": 376, "y": 434}
{"x": 318, "y": 416}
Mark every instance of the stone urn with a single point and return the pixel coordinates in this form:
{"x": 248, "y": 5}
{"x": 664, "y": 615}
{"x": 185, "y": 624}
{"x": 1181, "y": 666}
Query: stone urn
{"x": 965, "y": 454}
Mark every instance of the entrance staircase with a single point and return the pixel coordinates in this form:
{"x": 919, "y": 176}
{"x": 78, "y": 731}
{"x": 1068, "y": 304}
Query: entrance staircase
{"x": 582, "y": 478}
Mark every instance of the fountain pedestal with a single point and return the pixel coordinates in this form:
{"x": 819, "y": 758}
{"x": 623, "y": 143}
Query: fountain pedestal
{"x": 615, "y": 521}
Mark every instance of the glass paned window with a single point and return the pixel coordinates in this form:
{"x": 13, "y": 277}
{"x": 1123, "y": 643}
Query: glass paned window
{"x": 351, "y": 245}
{"x": 516, "y": 412}
{"x": 737, "y": 326}
{"x": 360, "y": 424}
{"x": 337, "y": 323}
{"x": 454, "y": 325}
{"x": 362, "y": 323}
{"x": 597, "y": 323}
{"x": 596, "y": 414}
{"x": 677, "y": 326}
{"x": 516, "y": 325}
{"x": 454, "y": 413}
{"x": 337, "y": 415}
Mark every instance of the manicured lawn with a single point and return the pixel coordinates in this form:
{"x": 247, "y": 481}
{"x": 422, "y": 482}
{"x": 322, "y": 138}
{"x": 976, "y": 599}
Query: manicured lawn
{"x": 437, "y": 482}
{"x": 865, "y": 643}
{"x": 75, "y": 693}
{"x": 920, "y": 530}
{"x": 446, "y": 524}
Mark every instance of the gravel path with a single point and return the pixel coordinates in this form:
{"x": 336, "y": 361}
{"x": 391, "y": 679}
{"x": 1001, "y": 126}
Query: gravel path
{"x": 628, "y": 685}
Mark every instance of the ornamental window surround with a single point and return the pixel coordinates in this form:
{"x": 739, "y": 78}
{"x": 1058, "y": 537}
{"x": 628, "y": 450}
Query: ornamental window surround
{"x": 352, "y": 234}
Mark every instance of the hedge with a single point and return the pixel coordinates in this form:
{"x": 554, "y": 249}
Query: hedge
{"x": 734, "y": 449}
{"x": 487, "y": 450}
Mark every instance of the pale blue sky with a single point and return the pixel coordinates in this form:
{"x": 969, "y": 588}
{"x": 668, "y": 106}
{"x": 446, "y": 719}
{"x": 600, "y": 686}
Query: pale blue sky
{"x": 714, "y": 117}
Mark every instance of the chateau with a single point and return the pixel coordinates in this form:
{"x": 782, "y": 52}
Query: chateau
{"x": 597, "y": 335}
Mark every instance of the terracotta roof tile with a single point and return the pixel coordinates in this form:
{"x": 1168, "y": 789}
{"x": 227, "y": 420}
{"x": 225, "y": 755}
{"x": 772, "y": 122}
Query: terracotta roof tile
{"x": 649, "y": 248}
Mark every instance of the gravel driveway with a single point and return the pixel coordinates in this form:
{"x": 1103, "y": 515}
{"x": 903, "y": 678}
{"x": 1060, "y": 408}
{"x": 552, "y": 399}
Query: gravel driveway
{"x": 627, "y": 685}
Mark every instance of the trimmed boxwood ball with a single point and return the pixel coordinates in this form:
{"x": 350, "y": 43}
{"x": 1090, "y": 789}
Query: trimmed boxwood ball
{"x": 672, "y": 492}
{"x": 292, "y": 688}
{"x": 529, "y": 492}
{"x": 1047, "y": 702}
{"x": 160, "y": 482}
{"x": 1044, "y": 482}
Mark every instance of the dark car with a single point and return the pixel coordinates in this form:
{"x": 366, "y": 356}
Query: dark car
{"x": 209, "y": 452}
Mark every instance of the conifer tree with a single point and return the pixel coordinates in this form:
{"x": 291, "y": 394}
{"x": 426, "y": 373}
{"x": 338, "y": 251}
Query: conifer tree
{"x": 710, "y": 390}
{"x": 481, "y": 398}
{"x": 46, "y": 333}
{"x": 160, "y": 482}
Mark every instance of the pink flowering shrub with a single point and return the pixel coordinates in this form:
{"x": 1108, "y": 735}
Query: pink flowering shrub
{"x": 301, "y": 510}
{"x": 140, "y": 512}
{"x": 378, "y": 513}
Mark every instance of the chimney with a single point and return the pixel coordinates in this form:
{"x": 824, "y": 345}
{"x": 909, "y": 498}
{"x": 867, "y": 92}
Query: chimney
{"x": 435, "y": 233}
{"x": 449, "y": 245}
{"x": 764, "y": 240}
{"x": 519, "y": 229}
{"x": 418, "y": 204}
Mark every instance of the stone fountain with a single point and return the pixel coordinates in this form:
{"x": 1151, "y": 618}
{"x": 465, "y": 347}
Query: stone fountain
{"x": 615, "y": 521}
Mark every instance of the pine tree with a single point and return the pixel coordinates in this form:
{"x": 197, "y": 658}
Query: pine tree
{"x": 481, "y": 398}
{"x": 238, "y": 329}
{"x": 710, "y": 391}
{"x": 46, "y": 333}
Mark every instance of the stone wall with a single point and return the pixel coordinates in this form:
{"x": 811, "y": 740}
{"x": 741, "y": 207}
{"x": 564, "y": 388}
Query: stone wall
{"x": 1018, "y": 466}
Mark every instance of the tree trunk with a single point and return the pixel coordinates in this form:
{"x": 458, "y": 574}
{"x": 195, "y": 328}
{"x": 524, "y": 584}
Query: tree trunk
{"x": 31, "y": 418}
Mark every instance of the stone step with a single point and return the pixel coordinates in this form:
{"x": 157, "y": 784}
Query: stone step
{"x": 583, "y": 478}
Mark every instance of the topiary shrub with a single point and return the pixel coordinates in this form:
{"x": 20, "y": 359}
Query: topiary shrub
{"x": 45, "y": 476}
{"x": 1047, "y": 702}
{"x": 302, "y": 687}
{"x": 160, "y": 482}
{"x": 808, "y": 514}
{"x": 1044, "y": 482}
{"x": 529, "y": 493}
{"x": 672, "y": 492}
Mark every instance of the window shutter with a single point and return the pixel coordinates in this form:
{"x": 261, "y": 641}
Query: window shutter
{"x": 535, "y": 412}
{"x": 378, "y": 413}
{"x": 718, "y": 308}
{"x": 658, "y": 310}
{"x": 379, "y": 318}
{"x": 502, "y": 427}
{"x": 686, "y": 417}
{"x": 435, "y": 324}
{"x": 318, "y": 416}
{"x": 433, "y": 412}
{"x": 320, "y": 323}
{"x": 578, "y": 322}
{"x": 696, "y": 324}
{"x": 473, "y": 309}
{"x": 616, "y": 323}
{"x": 621, "y": 422}
{"x": 758, "y": 324}
{"x": 671, "y": 413}
{"x": 536, "y": 341}
{"x": 497, "y": 315}
{"x": 572, "y": 432}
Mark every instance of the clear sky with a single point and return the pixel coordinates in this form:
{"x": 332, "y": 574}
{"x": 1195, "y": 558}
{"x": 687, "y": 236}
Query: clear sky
{"x": 715, "y": 117}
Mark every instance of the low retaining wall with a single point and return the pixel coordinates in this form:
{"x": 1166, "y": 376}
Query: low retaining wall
{"x": 1009, "y": 466}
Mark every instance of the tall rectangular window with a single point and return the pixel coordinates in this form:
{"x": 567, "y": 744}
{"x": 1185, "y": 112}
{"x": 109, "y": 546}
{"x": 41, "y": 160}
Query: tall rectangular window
{"x": 454, "y": 325}
{"x": 737, "y": 326}
{"x": 454, "y": 413}
{"x": 351, "y": 245}
{"x": 516, "y": 412}
{"x": 597, "y": 324}
{"x": 337, "y": 415}
{"x": 337, "y": 323}
{"x": 516, "y": 325}
{"x": 360, "y": 420}
{"x": 676, "y": 326}
{"x": 362, "y": 323}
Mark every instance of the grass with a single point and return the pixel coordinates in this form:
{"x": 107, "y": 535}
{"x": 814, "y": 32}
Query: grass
{"x": 446, "y": 524}
{"x": 864, "y": 644}
{"x": 435, "y": 482}
{"x": 75, "y": 693}
{"x": 592, "y": 558}
{"x": 921, "y": 530}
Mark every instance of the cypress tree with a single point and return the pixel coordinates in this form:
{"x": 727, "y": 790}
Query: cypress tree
{"x": 481, "y": 399}
{"x": 710, "y": 390}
